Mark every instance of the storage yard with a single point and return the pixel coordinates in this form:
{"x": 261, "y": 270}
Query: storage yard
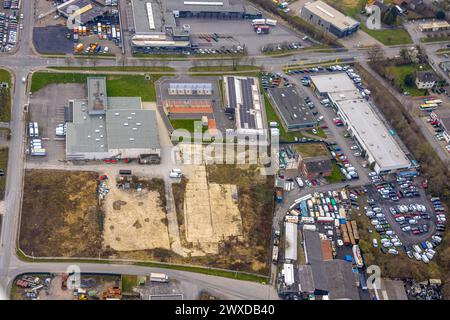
{"x": 59, "y": 287}
{"x": 97, "y": 32}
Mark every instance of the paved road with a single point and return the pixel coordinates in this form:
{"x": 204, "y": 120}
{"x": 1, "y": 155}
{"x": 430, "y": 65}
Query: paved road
{"x": 24, "y": 61}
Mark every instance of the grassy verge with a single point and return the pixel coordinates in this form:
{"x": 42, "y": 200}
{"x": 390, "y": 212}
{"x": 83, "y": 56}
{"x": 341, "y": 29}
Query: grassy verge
{"x": 4, "y": 152}
{"x": 117, "y": 85}
{"x": 118, "y": 69}
{"x": 129, "y": 282}
{"x": 336, "y": 174}
{"x": 212, "y": 272}
{"x": 223, "y": 68}
{"x": 5, "y": 96}
{"x": 389, "y": 37}
{"x": 434, "y": 39}
{"x": 320, "y": 133}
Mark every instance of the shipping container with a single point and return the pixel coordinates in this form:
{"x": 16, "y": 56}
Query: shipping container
{"x": 355, "y": 230}
{"x": 350, "y": 233}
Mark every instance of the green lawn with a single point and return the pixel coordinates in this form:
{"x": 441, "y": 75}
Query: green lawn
{"x": 309, "y": 150}
{"x": 117, "y": 85}
{"x": 336, "y": 175}
{"x": 5, "y": 97}
{"x": 187, "y": 124}
{"x": 320, "y": 133}
{"x": 400, "y": 72}
{"x": 4, "y": 167}
{"x": 129, "y": 282}
{"x": 389, "y": 37}
{"x": 434, "y": 39}
{"x": 272, "y": 116}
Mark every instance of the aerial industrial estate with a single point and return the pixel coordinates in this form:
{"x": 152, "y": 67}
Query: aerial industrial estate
{"x": 224, "y": 150}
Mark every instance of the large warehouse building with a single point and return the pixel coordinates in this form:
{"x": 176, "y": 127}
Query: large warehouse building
{"x": 102, "y": 127}
{"x": 320, "y": 14}
{"x": 292, "y": 109}
{"x": 243, "y": 96}
{"x": 156, "y": 27}
{"x": 362, "y": 122}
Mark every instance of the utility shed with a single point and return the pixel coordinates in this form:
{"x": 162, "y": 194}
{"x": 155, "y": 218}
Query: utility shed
{"x": 290, "y": 248}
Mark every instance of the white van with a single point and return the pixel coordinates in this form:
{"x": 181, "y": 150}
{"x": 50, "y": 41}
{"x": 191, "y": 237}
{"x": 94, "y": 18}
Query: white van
{"x": 417, "y": 256}
{"x": 273, "y": 124}
{"x": 425, "y": 258}
{"x": 417, "y": 248}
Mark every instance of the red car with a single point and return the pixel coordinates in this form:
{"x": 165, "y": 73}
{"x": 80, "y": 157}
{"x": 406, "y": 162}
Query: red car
{"x": 114, "y": 161}
{"x": 108, "y": 160}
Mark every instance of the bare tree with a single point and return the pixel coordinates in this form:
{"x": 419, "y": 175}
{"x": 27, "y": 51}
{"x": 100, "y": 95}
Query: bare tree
{"x": 68, "y": 60}
{"x": 376, "y": 54}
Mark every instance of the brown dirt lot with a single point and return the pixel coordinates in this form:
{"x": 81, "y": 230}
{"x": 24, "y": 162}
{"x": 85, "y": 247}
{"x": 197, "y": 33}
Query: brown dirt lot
{"x": 249, "y": 251}
{"x": 135, "y": 220}
{"x": 59, "y": 214}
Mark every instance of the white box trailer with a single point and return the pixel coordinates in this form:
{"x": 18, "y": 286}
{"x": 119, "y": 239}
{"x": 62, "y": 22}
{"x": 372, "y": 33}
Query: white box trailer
{"x": 159, "y": 277}
{"x": 271, "y": 22}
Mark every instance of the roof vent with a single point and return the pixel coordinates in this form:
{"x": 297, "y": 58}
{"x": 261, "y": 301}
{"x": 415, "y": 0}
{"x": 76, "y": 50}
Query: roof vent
{"x": 125, "y": 124}
{"x": 131, "y": 139}
{"x": 117, "y": 114}
{"x": 139, "y": 124}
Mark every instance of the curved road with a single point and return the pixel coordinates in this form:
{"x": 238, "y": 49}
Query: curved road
{"x": 21, "y": 64}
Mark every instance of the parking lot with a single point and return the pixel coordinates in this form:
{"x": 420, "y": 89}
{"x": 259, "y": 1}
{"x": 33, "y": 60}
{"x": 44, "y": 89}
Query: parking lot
{"x": 236, "y": 32}
{"x": 52, "y": 39}
{"x": 10, "y": 23}
{"x": 404, "y": 217}
{"x": 47, "y": 109}
{"x": 398, "y": 195}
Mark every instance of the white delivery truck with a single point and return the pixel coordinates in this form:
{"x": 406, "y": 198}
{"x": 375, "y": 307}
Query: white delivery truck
{"x": 159, "y": 277}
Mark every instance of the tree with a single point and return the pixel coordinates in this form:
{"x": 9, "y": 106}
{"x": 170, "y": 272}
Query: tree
{"x": 404, "y": 54}
{"x": 440, "y": 15}
{"x": 376, "y": 53}
{"x": 409, "y": 80}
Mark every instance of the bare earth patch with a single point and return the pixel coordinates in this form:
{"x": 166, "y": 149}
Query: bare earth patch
{"x": 134, "y": 220}
{"x": 210, "y": 212}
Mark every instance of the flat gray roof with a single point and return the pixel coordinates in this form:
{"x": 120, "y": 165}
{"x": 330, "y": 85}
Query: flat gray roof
{"x": 97, "y": 96}
{"x": 333, "y": 82}
{"x": 331, "y": 15}
{"x": 122, "y": 125}
{"x": 161, "y": 17}
{"x": 290, "y": 104}
{"x": 132, "y": 129}
{"x": 360, "y": 113}
{"x": 209, "y": 6}
{"x": 87, "y": 133}
{"x": 378, "y": 141}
